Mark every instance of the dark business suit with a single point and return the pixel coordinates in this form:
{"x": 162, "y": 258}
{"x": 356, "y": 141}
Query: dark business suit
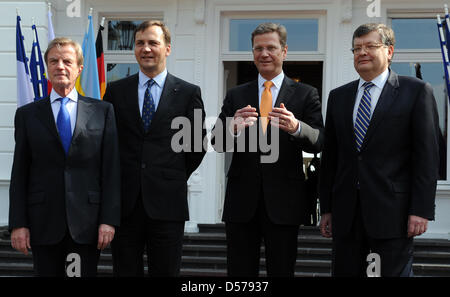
{"x": 258, "y": 193}
{"x": 65, "y": 197}
{"x": 393, "y": 176}
{"x": 154, "y": 176}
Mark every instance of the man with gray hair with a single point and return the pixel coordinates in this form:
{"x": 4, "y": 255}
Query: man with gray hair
{"x": 267, "y": 200}
{"x": 65, "y": 180}
{"x": 379, "y": 163}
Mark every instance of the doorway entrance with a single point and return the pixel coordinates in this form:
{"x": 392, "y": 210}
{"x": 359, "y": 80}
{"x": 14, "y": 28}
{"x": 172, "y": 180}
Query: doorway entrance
{"x": 239, "y": 72}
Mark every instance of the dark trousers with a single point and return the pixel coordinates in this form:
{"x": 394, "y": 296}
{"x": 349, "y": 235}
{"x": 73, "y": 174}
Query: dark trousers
{"x": 50, "y": 260}
{"x": 244, "y": 242}
{"x": 162, "y": 240}
{"x": 349, "y": 255}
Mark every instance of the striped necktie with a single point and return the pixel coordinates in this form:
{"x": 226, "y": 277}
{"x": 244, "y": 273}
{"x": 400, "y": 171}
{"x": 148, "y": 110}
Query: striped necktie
{"x": 148, "y": 108}
{"x": 363, "y": 115}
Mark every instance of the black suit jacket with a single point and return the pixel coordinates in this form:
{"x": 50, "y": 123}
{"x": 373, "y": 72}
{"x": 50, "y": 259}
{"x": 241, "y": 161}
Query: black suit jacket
{"x": 281, "y": 183}
{"x": 50, "y": 192}
{"x": 150, "y": 166}
{"x": 397, "y": 167}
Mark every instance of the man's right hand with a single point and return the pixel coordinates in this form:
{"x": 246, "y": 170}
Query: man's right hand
{"x": 243, "y": 118}
{"x": 325, "y": 225}
{"x": 20, "y": 239}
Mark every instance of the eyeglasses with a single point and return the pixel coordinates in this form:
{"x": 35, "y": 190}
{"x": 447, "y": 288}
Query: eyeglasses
{"x": 368, "y": 48}
{"x": 271, "y": 49}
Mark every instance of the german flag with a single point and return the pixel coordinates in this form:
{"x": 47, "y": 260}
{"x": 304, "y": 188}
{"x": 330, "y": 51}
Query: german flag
{"x": 100, "y": 61}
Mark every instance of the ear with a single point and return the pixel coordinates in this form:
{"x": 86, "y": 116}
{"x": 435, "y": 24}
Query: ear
{"x": 284, "y": 52}
{"x": 168, "y": 50}
{"x": 390, "y": 52}
{"x": 80, "y": 70}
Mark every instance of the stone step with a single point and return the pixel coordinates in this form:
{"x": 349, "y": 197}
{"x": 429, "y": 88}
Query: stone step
{"x": 204, "y": 254}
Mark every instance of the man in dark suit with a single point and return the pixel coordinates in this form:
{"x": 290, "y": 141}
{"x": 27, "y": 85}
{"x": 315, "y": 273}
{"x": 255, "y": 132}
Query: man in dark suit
{"x": 154, "y": 174}
{"x": 380, "y": 161}
{"x": 65, "y": 181}
{"x": 265, "y": 199}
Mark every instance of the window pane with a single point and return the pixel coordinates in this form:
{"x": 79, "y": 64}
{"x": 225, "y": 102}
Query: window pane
{"x": 120, "y": 35}
{"x": 432, "y": 73}
{"x": 302, "y": 33}
{"x": 416, "y": 33}
{"x": 118, "y": 71}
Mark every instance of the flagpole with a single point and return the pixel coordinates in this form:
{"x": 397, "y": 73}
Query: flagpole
{"x": 34, "y": 49}
{"x": 447, "y": 18}
{"x": 25, "y": 92}
{"x": 90, "y": 15}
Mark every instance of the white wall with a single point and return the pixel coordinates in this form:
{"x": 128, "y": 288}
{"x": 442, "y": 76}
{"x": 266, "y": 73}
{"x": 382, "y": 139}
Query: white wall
{"x": 8, "y": 94}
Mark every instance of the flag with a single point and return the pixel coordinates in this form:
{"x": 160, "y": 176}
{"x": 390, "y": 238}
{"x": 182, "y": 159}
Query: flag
{"x": 50, "y": 31}
{"x": 50, "y": 37}
{"x": 444, "y": 52}
{"x": 87, "y": 83}
{"x": 447, "y": 30}
{"x": 24, "y": 87}
{"x": 37, "y": 70}
{"x": 100, "y": 61}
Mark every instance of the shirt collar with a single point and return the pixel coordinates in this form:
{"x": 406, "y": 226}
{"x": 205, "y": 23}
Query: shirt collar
{"x": 277, "y": 80}
{"x": 73, "y": 95}
{"x": 159, "y": 79}
{"x": 378, "y": 81}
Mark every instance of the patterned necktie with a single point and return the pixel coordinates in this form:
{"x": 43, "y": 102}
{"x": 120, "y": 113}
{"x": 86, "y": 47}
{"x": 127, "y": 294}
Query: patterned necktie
{"x": 148, "y": 109}
{"x": 63, "y": 124}
{"x": 266, "y": 104}
{"x": 363, "y": 115}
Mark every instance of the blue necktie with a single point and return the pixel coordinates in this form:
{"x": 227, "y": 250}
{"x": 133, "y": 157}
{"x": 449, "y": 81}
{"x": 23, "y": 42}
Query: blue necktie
{"x": 363, "y": 115}
{"x": 148, "y": 109}
{"x": 63, "y": 124}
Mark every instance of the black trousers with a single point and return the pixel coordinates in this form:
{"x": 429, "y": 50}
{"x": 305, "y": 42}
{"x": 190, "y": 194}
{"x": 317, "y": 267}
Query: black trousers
{"x": 244, "y": 243}
{"x": 349, "y": 255}
{"x": 162, "y": 240}
{"x": 50, "y": 260}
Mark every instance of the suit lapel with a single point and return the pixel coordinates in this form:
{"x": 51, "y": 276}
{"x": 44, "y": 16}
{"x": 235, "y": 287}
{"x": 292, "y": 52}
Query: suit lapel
{"x": 168, "y": 94}
{"x": 132, "y": 102}
{"x": 84, "y": 112}
{"x": 251, "y": 96}
{"x": 348, "y": 111}
{"x": 286, "y": 91}
{"x": 45, "y": 115}
{"x": 387, "y": 97}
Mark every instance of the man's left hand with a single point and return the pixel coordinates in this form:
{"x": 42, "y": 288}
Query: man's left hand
{"x": 286, "y": 120}
{"x": 105, "y": 236}
{"x": 416, "y": 225}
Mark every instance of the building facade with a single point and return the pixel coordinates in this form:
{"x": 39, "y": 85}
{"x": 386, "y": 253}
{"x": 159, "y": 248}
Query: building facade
{"x": 211, "y": 48}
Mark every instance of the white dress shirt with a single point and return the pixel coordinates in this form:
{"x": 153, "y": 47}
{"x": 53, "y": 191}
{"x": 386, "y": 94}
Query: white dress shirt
{"x": 155, "y": 90}
{"x": 71, "y": 106}
{"x": 375, "y": 92}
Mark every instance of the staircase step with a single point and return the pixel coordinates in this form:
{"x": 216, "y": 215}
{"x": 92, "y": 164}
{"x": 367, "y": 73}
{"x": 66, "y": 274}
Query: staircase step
{"x": 204, "y": 254}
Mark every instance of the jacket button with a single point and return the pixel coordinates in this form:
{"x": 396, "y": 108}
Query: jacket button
{"x": 360, "y": 158}
{"x": 143, "y": 165}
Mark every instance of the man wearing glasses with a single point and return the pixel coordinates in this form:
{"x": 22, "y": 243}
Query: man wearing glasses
{"x": 267, "y": 200}
{"x": 380, "y": 161}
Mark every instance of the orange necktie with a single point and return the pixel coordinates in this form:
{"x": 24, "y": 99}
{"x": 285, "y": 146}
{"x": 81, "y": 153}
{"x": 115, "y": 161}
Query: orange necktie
{"x": 266, "y": 104}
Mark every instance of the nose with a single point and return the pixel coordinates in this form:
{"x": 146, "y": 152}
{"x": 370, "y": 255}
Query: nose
{"x": 60, "y": 64}
{"x": 147, "y": 48}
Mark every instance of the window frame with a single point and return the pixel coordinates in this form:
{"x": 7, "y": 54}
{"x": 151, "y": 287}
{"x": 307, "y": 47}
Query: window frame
{"x": 422, "y": 56}
{"x": 319, "y": 55}
{"x": 123, "y": 56}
